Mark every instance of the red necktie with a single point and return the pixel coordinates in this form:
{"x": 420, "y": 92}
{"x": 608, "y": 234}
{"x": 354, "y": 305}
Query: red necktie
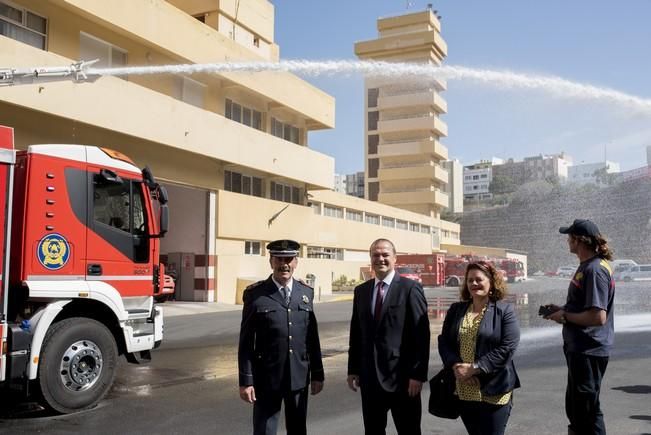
{"x": 378, "y": 299}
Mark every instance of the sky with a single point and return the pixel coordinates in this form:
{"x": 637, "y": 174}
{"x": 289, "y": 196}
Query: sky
{"x": 593, "y": 42}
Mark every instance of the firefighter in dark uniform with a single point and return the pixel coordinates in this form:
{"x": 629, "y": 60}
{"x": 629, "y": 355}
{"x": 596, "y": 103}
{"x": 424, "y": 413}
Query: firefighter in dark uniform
{"x": 279, "y": 354}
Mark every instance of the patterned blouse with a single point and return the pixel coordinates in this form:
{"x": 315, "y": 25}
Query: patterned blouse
{"x": 468, "y": 340}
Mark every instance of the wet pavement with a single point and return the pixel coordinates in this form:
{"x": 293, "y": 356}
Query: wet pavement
{"x": 191, "y": 384}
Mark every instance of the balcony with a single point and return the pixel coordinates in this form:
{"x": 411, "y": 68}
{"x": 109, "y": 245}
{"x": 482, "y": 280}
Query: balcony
{"x": 149, "y": 23}
{"x": 411, "y": 148}
{"x": 429, "y": 122}
{"x": 413, "y": 45}
{"x": 407, "y": 198}
{"x": 409, "y": 172}
{"x": 426, "y": 98}
{"x": 142, "y": 113}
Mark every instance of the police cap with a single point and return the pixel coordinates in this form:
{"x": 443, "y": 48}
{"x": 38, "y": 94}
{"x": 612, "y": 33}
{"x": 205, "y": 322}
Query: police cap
{"x": 283, "y": 248}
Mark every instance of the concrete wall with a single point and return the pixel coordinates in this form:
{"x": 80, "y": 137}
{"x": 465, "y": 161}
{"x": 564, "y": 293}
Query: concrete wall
{"x": 622, "y": 212}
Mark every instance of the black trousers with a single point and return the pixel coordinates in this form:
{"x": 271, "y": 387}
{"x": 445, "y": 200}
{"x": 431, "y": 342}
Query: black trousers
{"x": 266, "y": 411}
{"x": 376, "y": 402}
{"x": 482, "y": 418}
{"x": 584, "y": 375}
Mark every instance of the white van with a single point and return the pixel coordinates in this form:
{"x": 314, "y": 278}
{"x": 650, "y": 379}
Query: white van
{"x": 640, "y": 272}
{"x": 621, "y": 265}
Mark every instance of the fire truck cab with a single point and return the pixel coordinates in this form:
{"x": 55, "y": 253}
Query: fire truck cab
{"x": 79, "y": 229}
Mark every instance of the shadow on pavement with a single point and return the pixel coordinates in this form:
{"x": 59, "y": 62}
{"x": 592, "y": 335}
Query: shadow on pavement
{"x": 635, "y": 389}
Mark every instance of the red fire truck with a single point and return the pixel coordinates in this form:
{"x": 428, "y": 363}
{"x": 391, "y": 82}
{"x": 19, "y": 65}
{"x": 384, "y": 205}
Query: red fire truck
{"x": 438, "y": 269}
{"x": 511, "y": 269}
{"x": 430, "y": 268}
{"x": 80, "y": 229}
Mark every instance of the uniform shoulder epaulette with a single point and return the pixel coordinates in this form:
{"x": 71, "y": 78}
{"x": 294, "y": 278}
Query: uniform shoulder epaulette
{"x": 304, "y": 283}
{"x": 254, "y": 285}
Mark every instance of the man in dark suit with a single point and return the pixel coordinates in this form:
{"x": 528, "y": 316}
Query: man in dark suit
{"x": 389, "y": 345}
{"x": 279, "y": 349}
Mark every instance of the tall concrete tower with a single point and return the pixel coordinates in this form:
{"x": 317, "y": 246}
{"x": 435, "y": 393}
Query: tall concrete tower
{"x": 403, "y": 126}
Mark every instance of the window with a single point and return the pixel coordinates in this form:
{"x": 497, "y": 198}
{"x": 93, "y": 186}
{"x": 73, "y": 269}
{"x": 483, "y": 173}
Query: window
{"x": 372, "y": 97}
{"x": 373, "y": 165}
{"x": 22, "y": 25}
{"x": 108, "y": 54}
{"x": 401, "y": 225}
{"x": 238, "y": 183}
{"x": 252, "y": 248}
{"x": 354, "y": 215}
{"x": 119, "y": 215}
{"x": 191, "y": 92}
{"x": 286, "y": 193}
{"x": 484, "y": 175}
{"x": 256, "y": 41}
{"x": 388, "y": 222}
{"x": 285, "y": 131}
{"x": 332, "y": 211}
{"x": 316, "y": 207}
{"x": 244, "y": 115}
{"x": 327, "y": 253}
{"x": 475, "y": 177}
{"x": 373, "y": 190}
{"x": 372, "y": 219}
{"x": 373, "y": 141}
{"x": 372, "y": 120}
{"x": 414, "y": 227}
{"x": 424, "y": 229}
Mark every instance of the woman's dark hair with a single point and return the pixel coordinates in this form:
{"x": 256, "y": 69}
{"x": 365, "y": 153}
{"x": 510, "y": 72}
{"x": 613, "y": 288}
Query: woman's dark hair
{"x": 597, "y": 244}
{"x": 498, "y": 286}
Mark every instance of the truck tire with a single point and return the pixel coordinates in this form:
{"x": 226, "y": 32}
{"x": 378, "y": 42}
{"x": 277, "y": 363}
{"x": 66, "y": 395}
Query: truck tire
{"x": 453, "y": 281}
{"x": 77, "y": 364}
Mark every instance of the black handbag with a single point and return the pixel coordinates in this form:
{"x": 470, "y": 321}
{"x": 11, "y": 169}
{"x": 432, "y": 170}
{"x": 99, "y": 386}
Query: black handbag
{"x": 443, "y": 400}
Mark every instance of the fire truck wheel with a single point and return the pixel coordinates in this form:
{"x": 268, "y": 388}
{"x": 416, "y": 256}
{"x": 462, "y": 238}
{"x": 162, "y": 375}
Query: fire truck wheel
{"x": 453, "y": 281}
{"x": 77, "y": 364}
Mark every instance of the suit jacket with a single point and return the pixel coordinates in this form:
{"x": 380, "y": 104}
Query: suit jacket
{"x": 396, "y": 347}
{"x": 497, "y": 340}
{"x": 274, "y": 334}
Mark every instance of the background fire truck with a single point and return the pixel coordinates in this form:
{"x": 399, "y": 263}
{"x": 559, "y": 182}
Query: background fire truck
{"x": 439, "y": 269}
{"x": 79, "y": 269}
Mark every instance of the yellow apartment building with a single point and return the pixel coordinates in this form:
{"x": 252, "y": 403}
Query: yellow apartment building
{"x": 231, "y": 148}
{"x": 403, "y": 126}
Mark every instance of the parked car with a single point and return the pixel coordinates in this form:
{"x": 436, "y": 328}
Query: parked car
{"x": 641, "y": 272}
{"x": 566, "y": 271}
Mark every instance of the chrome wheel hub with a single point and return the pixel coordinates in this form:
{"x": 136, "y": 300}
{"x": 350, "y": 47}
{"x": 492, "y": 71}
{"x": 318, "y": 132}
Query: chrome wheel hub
{"x": 81, "y": 365}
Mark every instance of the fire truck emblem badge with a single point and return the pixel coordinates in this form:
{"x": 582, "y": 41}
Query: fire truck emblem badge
{"x": 53, "y": 251}
{"x": 306, "y": 299}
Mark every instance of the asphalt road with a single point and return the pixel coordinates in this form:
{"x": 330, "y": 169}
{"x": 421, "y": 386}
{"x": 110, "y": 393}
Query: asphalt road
{"x": 191, "y": 384}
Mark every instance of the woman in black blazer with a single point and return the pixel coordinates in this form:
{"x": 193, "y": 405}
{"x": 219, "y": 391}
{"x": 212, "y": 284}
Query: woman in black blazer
{"x": 479, "y": 337}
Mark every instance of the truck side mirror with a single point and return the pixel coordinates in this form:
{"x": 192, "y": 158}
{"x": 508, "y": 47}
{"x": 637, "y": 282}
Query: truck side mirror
{"x": 162, "y": 194}
{"x": 164, "y": 220}
{"x": 149, "y": 178}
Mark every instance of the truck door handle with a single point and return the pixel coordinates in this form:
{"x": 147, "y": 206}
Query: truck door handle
{"x": 94, "y": 269}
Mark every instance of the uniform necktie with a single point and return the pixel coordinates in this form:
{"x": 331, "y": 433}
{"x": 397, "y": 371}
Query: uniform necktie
{"x": 378, "y": 299}
{"x": 287, "y": 293}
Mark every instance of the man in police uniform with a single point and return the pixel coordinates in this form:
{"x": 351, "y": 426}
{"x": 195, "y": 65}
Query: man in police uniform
{"x": 279, "y": 349}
